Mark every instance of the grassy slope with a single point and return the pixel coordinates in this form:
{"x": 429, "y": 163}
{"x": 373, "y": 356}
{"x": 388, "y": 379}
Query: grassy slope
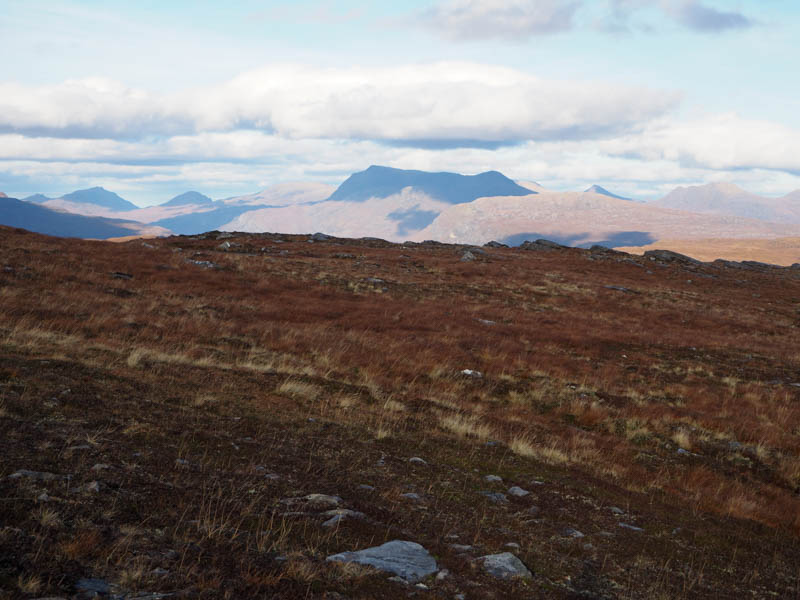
{"x": 191, "y": 384}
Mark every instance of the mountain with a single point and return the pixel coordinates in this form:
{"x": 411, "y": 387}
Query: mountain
{"x": 37, "y": 198}
{"x": 100, "y": 197}
{"x": 596, "y": 189}
{"x": 730, "y": 199}
{"x": 189, "y": 198}
{"x": 583, "y": 219}
{"x": 285, "y": 194}
{"x": 33, "y": 217}
{"x": 451, "y": 188}
{"x": 380, "y": 202}
{"x": 2, "y": 195}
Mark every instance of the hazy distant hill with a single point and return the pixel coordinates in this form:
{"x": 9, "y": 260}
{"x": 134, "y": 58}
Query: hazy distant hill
{"x": 452, "y": 188}
{"x": 582, "y": 219}
{"x": 33, "y": 217}
{"x": 596, "y": 189}
{"x": 188, "y": 198}
{"x": 730, "y": 199}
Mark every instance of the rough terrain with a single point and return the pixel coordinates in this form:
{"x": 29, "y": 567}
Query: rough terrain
{"x": 241, "y": 415}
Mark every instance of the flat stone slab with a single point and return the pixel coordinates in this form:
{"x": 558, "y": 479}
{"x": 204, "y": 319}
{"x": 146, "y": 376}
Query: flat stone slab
{"x": 504, "y": 566}
{"x": 408, "y": 560}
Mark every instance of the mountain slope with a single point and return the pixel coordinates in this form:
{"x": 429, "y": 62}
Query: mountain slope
{"x": 452, "y": 188}
{"x": 188, "y": 198}
{"x": 584, "y": 219}
{"x": 730, "y": 199}
{"x": 596, "y": 189}
{"x": 100, "y": 197}
{"x": 30, "y": 216}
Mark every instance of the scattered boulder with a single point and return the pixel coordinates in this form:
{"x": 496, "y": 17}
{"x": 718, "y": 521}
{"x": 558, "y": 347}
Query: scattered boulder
{"x": 38, "y": 476}
{"x": 573, "y": 533}
{"x": 631, "y": 527}
{"x": 504, "y": 566}
{"x": 494, "y": 244}
{"x": 670, "y": 256}
{"x": 518, "y": 492}
{"x": 408, "y": 560}
{"x": 541, "y": 245}
{"x": 319, "y": 237}
{"x": 616, "y": 510}
{"x": 493, "y": 479}
{"x": 467, "y": 256}
{"x": 472, "y": 373}
{"x": 322, "y": 500}
{"x": 417, "y": 460}
{"x": 495, "y": 497}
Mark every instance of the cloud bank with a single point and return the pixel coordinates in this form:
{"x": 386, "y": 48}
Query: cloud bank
{"x": 428, "y": 104}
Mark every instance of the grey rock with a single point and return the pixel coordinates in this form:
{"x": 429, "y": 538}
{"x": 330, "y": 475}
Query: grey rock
{"x": 343, "y": 512}
{"x": 411, "y": 496}
{"x": 504, "y": 566}
{"x": 93, "y": 586}
{"x": 534, "y": 511}
{"x": 95, "y": 487}
{"x": 631, "y": 527}
{"x": 512, "y": 545}
{"x": 472, "y": 373}
{"x": 670, "y": 256}
{"x": 573, "y": 533}
{"x": 493, "y": 479}
{"x": 407, "y": 560}
{"x": 518, "y": 492}
{"x": 224, "y": 235}
{"x": 487, "y": 322}
{"x": 620, "y": 288}
{"x": 461, "y": 547}
{"x": 100, "y": 467}
{"x": 320, "y": 237}
{"x": 417, "y": 460}
{"x": 38, "y": 476}
{"x": 366, "y": 488}
{"x": 442, "y": 575}
{"x": 334, "y": 521}
{"x": 616, "y": 510}
{"x": 494, "y": 244}
{"x": 541, "y": 245}
{"x": 467, "y": 256}
{"x": 323, "y": 500}
{"x": 495, "y": 497}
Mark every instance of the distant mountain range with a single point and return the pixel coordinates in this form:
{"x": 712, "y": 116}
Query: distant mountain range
{"x": 730, "y": 199}
{"x": 33, "y": 217}
{"x": 397, "y": 205}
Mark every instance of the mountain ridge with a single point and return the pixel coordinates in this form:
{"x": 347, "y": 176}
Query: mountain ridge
{"x": 452, "y": 188}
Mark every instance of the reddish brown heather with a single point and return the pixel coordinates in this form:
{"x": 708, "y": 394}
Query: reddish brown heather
{"x": 177, "y": 373}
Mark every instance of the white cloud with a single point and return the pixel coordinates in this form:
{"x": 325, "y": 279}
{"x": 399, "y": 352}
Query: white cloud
{"x": 721, "y": 142}
{"x": 453, "y": 102}
{"x": 514, "y": 19}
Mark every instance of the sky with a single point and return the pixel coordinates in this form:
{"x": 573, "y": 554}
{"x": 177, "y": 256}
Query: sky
{"x": 150, "y": 99}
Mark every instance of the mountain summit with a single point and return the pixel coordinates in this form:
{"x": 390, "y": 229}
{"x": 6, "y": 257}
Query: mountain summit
{"x": 189, "y": 198}
{"x": 100, "y": 197}
{"x": 452, "y": 188}
{"x": 596, "y": 189}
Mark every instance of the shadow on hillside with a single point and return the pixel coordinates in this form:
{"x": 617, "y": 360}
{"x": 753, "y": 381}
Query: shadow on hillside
{"x": 412, "y": 219}
{"x": 583, "y": 240}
